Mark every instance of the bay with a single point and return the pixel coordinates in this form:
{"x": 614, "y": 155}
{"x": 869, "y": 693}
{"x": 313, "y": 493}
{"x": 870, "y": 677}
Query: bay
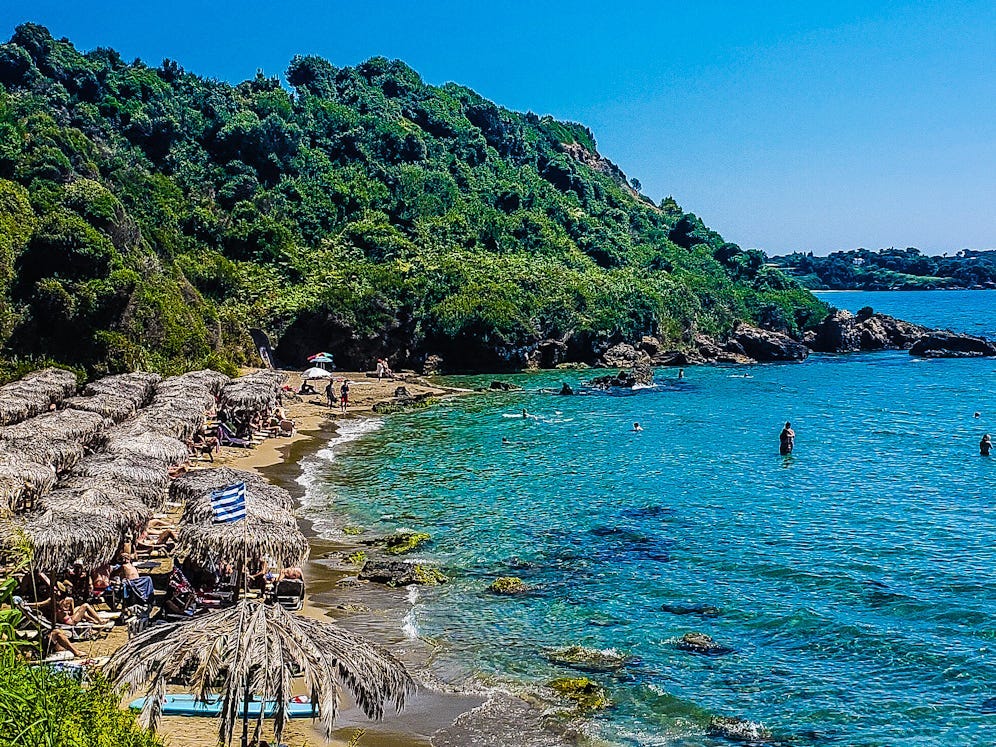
{"x": 855, "y": 580}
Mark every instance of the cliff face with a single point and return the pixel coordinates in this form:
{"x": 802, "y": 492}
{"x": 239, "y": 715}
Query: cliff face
{"x": 149, "y": 217}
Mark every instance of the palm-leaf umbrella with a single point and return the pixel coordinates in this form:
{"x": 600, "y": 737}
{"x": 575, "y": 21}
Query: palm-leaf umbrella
{"x": 128, "y": 470}
{"x": 151, "y": 445}
{"x": 198, "y": 483}
{"x": 110, "y": 406}
{"x": 151, "y": 496}
{"x": 213, "y": 381}
{"x": 138, "y": 387}
{"x": 71, "y": 425}
{"x": 252, "y": 538}
{"x": 61, "y": 454}
{"x": 258, "y": 650}
{"x": 124, "y": 511}
{"x": 34, "y": 394}
{"x": 60, "y": 539}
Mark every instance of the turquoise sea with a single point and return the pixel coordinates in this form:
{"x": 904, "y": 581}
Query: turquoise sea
{"x": 855, "y": 580}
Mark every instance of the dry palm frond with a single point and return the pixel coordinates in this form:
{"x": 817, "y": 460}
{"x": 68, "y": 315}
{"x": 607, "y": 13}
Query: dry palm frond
{"x": 255, "y": 649}
{"x": 60, "y": 454}
{"x": 251, "y": 537}
{"x": 151, "y": 445}
{"x": 177, "y": 392}
{"x": 127, "y": 470}
{"x": 256, "y": 392}
{"x": 71, "y": 425}
{"x": 110, "y": 406}
{"x": 261, "y": 503}
{"x": 57, "y": 378}
{"x": 59, "y": 539}
{"x": 22, "y": 480}
{"x": 124, "y": 511}
{"x": 213, "y": 381}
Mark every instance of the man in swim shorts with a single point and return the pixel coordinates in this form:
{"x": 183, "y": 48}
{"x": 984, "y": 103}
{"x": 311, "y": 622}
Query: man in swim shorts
{"x": 786, "y": 440}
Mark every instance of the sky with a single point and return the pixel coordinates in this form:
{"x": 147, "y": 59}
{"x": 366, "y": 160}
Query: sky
{"x": 788, "y": 126}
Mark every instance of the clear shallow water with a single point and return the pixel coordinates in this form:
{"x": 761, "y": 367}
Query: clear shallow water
{"x": 856, "y": 580}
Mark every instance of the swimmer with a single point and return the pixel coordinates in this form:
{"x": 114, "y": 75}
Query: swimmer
{"x": 505, "y": 441}
{"x": 985, "y": 445}
{"x": 681, "y": 373}
{"x": 636, "y": 428}
{"x": 978, "y": 414}
{"x": 786, "y": 440}
{"x": 524, "y": 413}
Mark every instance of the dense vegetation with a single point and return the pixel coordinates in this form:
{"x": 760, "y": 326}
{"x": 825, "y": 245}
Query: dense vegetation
{"x": 149, "y": 217}
{"x": 903, "y": 269}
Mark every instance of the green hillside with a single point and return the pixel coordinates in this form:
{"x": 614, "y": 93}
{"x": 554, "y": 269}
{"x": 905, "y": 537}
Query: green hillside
{"x": 149, "y": 217}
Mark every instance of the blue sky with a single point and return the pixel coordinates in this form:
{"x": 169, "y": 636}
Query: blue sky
{"x": 797, "y": 125}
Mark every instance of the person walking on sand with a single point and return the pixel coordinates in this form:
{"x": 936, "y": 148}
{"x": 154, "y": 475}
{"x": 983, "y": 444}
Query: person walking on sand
{"x": 330, "y": 392}
{"x": 344, "y": 394}
{"x": 985, "y": 445}
{"x": 786, "y": 440}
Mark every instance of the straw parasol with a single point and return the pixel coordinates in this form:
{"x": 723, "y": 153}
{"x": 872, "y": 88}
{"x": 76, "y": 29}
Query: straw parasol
{"x": 34, "y": 394}
{"x": 251, "y": 538}
{"x": 110, "y": 406}
{"x": 124, "y": 511}
{"x": 198, "y": 483}
{"x": 22, "y": 479}
{"x": 150, "y": 445}
{"x": 172, "y": 391}
{"x": 152, "y": 496}
{"x": 60, "y": 454}
{"x": 59, "y": 539}
{"x": 71, "y": 425}
{"x": 138, "y": 387}
{"x": 255, "y": 649}
{"x": 213, "y": 381}
{"x": 128, "y": 470}
{"x": 261, "y": 503}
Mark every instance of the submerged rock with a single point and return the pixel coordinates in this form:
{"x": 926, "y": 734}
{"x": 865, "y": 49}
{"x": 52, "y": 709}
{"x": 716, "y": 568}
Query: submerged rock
{"x": 400, "y": 543}
{"x": 700, "y": 643}
{"x": 404, "y": 404}
{"x": 508, "y": 585}
{"x": 503, "y": 386}
{"x": 590, "y": 659}
{"x": 642, "y": 374}
{"x": 738, "y": 730}
{"x": 940, "y": 344}
{"x": 988, "y": 706}
{"x": 400, "y": 573}
{"x": 587, "y": 694}
{"x": 702, "y": 610}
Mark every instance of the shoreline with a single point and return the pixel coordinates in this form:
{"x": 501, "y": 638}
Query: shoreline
{"x": 457, "y": 715}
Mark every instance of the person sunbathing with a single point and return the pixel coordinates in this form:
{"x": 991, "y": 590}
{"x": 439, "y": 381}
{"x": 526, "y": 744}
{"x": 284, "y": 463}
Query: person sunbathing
{"x": 125, "y": 568}
{"x": 164, "y": 540}
{"x": 67, "y": 612}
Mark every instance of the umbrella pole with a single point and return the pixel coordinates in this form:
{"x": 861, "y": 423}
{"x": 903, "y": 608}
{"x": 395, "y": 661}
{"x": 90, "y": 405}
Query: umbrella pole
{"x": 245, "y": 715}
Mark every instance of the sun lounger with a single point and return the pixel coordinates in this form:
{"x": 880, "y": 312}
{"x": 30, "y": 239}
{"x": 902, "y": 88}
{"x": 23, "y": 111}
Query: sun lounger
{"x": 227, "y": 438}
{"x": 76, "y": 632}
{"x": 289, "y": 594}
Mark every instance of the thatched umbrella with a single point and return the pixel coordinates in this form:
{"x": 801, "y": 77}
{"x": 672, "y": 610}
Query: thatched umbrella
{"x": 258, "y": 505}
{"x": 138, "y": 387}
{"x": 124, "y": 511}
{"x": 71, "y": 425}
{"x": 60, "y": 539}
{"x": 251, "y": 538}
{"x": 213, "y": 381}
{"x": 151, "y": 445}
{"x": 127, "y": 470}
{"x": 173, "y": 392}
{"x": 61, "y": 454}
{"x": 22, "y": 479}
{"x": 200, "y": 482}
{"x": 152, "y": 496}
{"x": 254, "y": 649}
{"x": 34, "y": 394}
{"x": 110, "y": 406}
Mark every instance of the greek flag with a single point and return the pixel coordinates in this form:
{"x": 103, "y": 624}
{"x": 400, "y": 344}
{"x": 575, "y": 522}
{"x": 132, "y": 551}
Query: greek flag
{"x": 229, "y": 503}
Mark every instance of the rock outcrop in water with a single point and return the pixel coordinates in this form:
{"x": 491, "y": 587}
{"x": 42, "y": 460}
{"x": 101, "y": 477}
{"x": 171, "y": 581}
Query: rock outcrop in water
{"x": 641, "y": 374}
{"x": 701, "y": 610}
{"x": 586, "y": 694}
{"x": 765, "y": 346}
{"x": 400, "y": 573}
{"x": 588, "y": 659}
{"x": 700, "y": 643}
{"x": 843, "y": 332}
{"x": 940, "y": 344}
{"x": 738, "y": 730}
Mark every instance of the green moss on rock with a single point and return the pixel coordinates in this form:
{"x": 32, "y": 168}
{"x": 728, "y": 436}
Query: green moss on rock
{"x": 426, "y": 576}
{"x": 508, "y": 585}
{"x": 352, "y": 531}
{"x": 404, "y": 542}
{"x": 587, "y": 694}
{"x": 357, "y": 558}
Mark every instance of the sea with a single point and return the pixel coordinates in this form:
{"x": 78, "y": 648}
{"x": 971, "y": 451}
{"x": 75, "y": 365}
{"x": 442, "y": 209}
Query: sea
{"x": 852, "y": 583}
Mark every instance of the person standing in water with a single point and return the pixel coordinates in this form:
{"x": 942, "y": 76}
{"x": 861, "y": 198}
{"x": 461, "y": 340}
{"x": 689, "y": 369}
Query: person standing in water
{"x": 985, "y": 445}
{"x": 681, "y": 373}
{"x": 786, "y": 440}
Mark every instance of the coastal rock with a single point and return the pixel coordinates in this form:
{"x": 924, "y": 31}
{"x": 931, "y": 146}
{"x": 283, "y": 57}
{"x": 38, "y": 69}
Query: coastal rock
{"x": 835, "y": 334}
{"x": 400, "y": 573}
{"x": 700, "y": 643}
{"x": 883, "y": 332}
{"x": 765, "y": 346}
{"x": 738, "y": 730}
{"x": 586, "y": 694}
{"x": 401, "y": 391}
{"x": 940, "y": 344}
{"x": 650, "y": 345}
{"x": 672, "y": 358}
{"x": 547, "y": 354}
{"x": 624, "y": 355}
{"x": 588, "y": 659}
{"x": 404, "y": 404}
{"x": 508, "y": 586}
{"x": 400, "y": 543}
{"x": 503, "y": 386}
{"x": 641, "y": 374}
{"x": 702, "y": 610}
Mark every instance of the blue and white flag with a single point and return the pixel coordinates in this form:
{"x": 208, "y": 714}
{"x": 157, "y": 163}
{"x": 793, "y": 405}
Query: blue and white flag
{"x": 229, "y": 503}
